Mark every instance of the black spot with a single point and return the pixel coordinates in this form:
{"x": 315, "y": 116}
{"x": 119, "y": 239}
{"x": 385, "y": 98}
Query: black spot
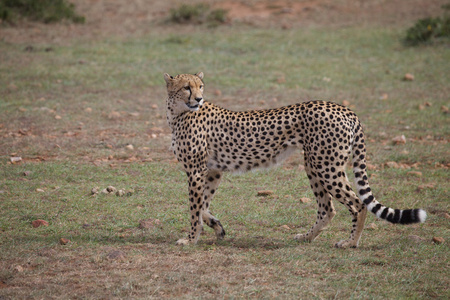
{"x": 376, "y": 208}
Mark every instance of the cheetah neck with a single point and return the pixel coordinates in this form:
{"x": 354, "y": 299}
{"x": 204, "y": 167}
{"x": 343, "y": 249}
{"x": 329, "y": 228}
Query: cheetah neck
{"x": 170, "y": 114}
{"x": 174, "y": 109}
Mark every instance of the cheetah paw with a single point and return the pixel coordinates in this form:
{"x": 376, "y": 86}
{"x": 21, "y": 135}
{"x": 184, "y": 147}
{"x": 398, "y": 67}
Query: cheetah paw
{"x": 182, "y": 242}
{"x": 345, "y": 244}
{"x": 301, "y": 238}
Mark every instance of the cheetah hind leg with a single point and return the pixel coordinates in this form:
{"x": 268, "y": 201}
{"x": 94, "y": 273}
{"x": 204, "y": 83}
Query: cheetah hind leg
{"x": 215, "y": 224}
{"x": 325, "y": 211}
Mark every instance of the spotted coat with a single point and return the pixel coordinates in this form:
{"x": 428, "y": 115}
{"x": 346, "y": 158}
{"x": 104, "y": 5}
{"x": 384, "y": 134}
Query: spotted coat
{"x": 208, "y": 140}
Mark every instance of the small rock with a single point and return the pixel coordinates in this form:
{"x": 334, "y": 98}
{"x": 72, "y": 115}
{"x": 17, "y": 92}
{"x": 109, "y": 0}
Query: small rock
{"x": 105, "y": 191}
{"x": 392, "y": 165}
{"x": 399, "y": 140}
{"x": 438, "y": 240}
{"x": 40, "y": 190}
{"x": 120, "y": 193}
{"x": 415, "y": 173}
{"x": 265, "y": 193}
{"x": 18, "y": 269}
{"x": 285, "y": 227}
{"x": 58, "y": 117}
{"x": 38, "y": 223}
{"x": 371, "y": 167}
{"x": 305, "y": 200}
{"x": 27, "y": 173}
{"x": 130, "y": 192}
{"x": 63, "y": 241}
{"x": 94, "y": 191}
{"x": 408, "y": 77}
{"x": 88, "y": 110}
{"x": 111, "y": 189}
{"x": 445, "y": 109}
{"x": 372, "y": 226}
{"x": 384, "y": 96}
{"x": 15, "y": 159}
{"x": 114, "y": 115}
{"x": 129, "y": 147}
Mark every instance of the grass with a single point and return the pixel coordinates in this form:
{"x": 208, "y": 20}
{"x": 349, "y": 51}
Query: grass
{"x": 120, "y": 81}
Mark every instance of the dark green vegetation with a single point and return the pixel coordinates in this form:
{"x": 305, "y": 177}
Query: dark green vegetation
{"x": 198, "y": 14}
{"x": 71, "y": 111}
{"x": 429, "y": 29}
{"x": 47, "y": 11}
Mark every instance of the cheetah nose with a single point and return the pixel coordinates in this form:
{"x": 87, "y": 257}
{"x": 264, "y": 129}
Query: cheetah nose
{"x": 198, "y": 99}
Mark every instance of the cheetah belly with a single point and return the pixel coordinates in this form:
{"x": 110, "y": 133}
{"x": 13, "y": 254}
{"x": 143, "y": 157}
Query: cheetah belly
{"x": 227, "y": 159}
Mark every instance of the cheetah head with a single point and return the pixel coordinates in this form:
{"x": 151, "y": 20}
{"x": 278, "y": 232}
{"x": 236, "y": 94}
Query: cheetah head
{"x": 185, "y": 92}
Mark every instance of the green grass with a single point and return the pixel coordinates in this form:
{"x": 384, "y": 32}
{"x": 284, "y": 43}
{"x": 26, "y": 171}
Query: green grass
{"x": 68, "y": 156}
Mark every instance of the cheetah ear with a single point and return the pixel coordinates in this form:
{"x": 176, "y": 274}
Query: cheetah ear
{"x": 167, "y": 78}
{"x": 200, "y": 75}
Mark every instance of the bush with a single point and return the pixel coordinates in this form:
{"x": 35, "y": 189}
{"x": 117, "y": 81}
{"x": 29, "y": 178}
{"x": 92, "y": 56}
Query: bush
{"x": 197, "y": 14}
{"x": 425, "y": 30}
{"x": 47, "y": 11}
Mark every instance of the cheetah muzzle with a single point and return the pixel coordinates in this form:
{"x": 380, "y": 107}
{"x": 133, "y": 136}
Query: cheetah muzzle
{"x": 209, "y": 140}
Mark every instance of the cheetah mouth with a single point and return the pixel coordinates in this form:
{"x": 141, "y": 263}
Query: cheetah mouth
{"x": 195, "y": 106}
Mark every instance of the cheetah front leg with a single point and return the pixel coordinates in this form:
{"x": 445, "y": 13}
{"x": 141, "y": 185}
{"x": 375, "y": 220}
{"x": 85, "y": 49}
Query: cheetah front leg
{"x": 196, "y": 206}
{"x": 212, "y": 183}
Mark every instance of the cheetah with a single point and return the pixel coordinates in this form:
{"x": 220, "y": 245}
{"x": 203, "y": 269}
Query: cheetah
{"x": 209, "y": 140}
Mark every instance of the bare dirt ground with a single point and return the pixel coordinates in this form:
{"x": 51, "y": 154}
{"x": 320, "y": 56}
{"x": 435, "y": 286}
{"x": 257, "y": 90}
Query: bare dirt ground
{"x": 115, "y": 18}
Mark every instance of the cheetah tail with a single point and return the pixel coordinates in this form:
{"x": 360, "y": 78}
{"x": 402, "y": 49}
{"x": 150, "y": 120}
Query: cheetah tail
{"x": 396, "y": 216}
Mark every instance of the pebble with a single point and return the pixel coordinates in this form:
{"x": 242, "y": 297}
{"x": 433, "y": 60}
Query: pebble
{"x": 438, "y": 240}
{"x": 39, "y": 223}
{"x": 408, "y": 77}
{"x": 305, "y": 200}
{"x": 63, "y": 241}
{"x": 265, "y": 193}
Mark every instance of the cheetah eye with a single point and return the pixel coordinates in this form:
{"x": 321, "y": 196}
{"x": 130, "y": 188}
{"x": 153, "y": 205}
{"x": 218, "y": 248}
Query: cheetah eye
{"x": 187, "y": 88}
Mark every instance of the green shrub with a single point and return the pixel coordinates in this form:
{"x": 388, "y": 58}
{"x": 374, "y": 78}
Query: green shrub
{"x": 423, "y": 31}
{"x": 218, "y": 16}
{"x": 47, "y": 11}
{"x": 427, "y": 29}
{"x": 197, "y": 14}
